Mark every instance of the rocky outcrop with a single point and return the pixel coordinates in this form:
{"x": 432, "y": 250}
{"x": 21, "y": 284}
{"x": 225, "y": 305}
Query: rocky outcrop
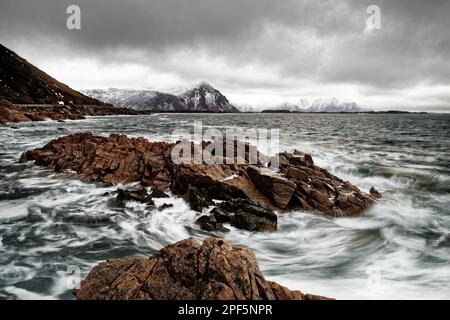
{"x": 187, "y": 270}
{"x": 298, "y": 184}
{"x": 318, "y": 189}
{"x": 113, "y": 160}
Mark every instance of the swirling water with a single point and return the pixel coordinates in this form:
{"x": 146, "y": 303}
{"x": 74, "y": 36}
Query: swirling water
{"x": 55, "y": 227}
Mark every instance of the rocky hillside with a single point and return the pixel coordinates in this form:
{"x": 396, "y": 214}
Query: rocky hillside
{"x": 201, "y": 98}
{"x": 10, "y": 113}
{"x": 23, "y": 83}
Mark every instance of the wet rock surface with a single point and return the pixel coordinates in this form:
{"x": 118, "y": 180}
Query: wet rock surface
{"x": 113, "y": 160}
{"x": 245, "y": 214}
{"x": 140, "y": 195}
{"x": 210, "y": 223}
{"x": 186, "y": 270}
{"x": 251, "y": 192}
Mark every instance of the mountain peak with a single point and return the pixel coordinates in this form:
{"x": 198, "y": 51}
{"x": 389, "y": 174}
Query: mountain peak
{"x": 204, "y": 98}
{"x": 200, "y": 98}
{"x": 204, "y": 85}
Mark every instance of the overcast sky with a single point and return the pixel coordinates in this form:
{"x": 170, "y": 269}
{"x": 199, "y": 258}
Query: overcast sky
{"x": 258, "y": 52}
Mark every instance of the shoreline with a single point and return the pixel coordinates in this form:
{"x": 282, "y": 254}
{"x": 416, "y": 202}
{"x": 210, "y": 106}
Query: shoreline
{"x": 10, "y": 113}
{"x": 16, "y": 113}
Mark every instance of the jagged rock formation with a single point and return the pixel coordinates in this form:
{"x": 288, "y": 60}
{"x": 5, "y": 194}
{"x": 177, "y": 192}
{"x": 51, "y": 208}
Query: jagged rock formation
{"x": 186, "y": 270}
{"x": 299, "y": 184}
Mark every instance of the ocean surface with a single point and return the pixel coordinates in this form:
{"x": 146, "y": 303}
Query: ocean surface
{"x": 55, "y": 227}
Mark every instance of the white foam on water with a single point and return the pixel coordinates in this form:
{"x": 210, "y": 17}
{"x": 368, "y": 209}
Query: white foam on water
{"x": 397, "y": 249}
{"x": 11, "y": 211}
{"x": 23, "y": 294}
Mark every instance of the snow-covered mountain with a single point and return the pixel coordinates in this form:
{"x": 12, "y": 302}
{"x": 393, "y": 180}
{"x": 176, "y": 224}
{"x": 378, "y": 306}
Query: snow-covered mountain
{"x": 204, "y": 98}
{"x": 333, "y": 105}
{"x": 320, "y": 105}
{"x": 292, "y": 107}
{"x": 143, "y": 100}
{"x": 201, "y": 98}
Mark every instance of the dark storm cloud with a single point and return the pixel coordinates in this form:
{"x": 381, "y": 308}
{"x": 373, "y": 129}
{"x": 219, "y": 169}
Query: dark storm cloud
{"x": 322, "y": 42}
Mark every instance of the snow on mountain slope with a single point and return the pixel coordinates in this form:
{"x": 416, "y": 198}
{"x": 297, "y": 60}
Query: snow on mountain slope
{"x": 320, "y": 105}
{"x": 205, "y": 98}
{"x": 134, "y": 99}
{"x": 333, "y": 105}
{"x": 201, "y": 98}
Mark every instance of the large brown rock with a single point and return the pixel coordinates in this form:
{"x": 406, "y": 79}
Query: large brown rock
{"x": 187, "y": 270}
{"x": 317, "y": 189}
{"x": 113, "y": 160}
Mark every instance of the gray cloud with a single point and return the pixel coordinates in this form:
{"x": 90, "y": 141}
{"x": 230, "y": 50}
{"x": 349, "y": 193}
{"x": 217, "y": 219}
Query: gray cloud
{"x": 287, "y": 48}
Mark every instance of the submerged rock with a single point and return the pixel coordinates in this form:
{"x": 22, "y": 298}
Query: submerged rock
{"x": 245, "y": 214}
{"x": 209, "y": 223}
{"x": 197, "y": 199}
{"x": 159, "y": 194}
{"x": 374, "y": 193}
{"x": 140, "y": 195}
{"x": 186, "y": 270}
{"x": 165, "y": 206}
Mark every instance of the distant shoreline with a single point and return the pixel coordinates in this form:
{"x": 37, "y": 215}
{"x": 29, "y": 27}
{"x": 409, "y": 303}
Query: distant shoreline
{"x": 343, "y": 112}
{"x": 285, "y": 112}
{"x": 13, "y": 114}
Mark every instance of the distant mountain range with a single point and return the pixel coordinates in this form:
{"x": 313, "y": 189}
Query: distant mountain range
{"x": 201, "y": 98}
{"x": 319, "y": 105}
{"x": 205, "y": 98}
{"x": 23, "y": 83}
